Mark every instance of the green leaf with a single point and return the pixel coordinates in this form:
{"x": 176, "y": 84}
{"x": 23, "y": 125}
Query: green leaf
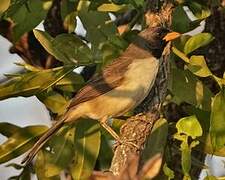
{"x": 100, "y": 28}
{"x": 14, "y": 6}
{"x": 180, "y": 20}
{"x": 71, "y": 83}
{"x": 105, "y": 154}
{"x": 87, "y": 144}
{"x": 83, "y": 5}
{"x": 180, "y": 42}
{"x": 70, "y": 22}
{"x": 32, "y": 83}
{"x": 40, "y": 166}
{"x": 27, "y": 17}
{"x": 4, "y": 6}
{"x": 7, "y": 129}
{"x": 53, "y": 101}
{"x": 98, "y": 25}
{"x": 156, "y": 141}
{"x": 20, "y": 142}
{"x": 210, "y": 178}
{"x": 201, "y": 12}
{"x": 217, "y": 121}
{"x": 168, "y": 172}
{"x": 198, "y": 66}
{"x": 45, "y": 39}
{"x": 208, "y": 148}
{"x": 61, "y": 152}
{"x": 189, "y": 126}
{"x": 186, "y": 160}
{"x": 67, "y": 48}
{"x": 185, "y": 87}
{"x": 197, "y": 41}
{"x": 110, "y": 7}
{"x": 180, "y": 55}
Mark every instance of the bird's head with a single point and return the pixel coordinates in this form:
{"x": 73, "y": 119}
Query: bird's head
{"x": 156, "y": 38}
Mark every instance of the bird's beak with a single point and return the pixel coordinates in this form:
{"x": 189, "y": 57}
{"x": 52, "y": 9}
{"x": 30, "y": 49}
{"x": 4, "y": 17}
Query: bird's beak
{"x": 171, "y": 36}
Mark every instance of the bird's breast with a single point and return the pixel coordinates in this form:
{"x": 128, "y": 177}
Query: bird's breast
{"x": 141, "y": 75}
{"x": 137, "y": 82}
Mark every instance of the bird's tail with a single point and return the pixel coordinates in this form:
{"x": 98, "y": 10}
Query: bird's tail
{"x": 41, "y": 142}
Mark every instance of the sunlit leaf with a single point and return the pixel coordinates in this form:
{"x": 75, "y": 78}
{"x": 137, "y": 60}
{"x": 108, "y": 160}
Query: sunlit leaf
{"x": 211, "y": 178}
{"x": 20, "y": 142}
{"x": 61, "y": 152}
{"x": 217, "y": 121}
{"x": 208, "y": 148}
{"x": 168, "y": 172}
{"x": 70, "y": 22}
{"x": 180, "y": 54}
{"x": 197, "y": 41}
{"x": 40, "y": 166}
{"x": 198, "y": 66}
{"x": 189, "y": 126}
{"x": 4, "y": 6}
{"x": 45, "y": 39}
{"x": 186, "y": 160}
{"x": 201, "y": 12}
{"x": 7, "y": 129}
{"x": 31, "y": 83}
{"x": 87, "y": 145}
{"x": 110, "y": 7}
{"x": 83, "y": 5}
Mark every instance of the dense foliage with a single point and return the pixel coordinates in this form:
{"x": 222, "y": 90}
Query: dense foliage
{"x": 50, "y": 56}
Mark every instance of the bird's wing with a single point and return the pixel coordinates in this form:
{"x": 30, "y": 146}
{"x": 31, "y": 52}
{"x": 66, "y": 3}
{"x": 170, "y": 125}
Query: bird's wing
{"x": 111, "y": 77}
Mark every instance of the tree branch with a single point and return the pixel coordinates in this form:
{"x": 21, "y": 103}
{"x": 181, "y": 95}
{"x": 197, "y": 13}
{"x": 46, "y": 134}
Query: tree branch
{"x": 138, "y": 128}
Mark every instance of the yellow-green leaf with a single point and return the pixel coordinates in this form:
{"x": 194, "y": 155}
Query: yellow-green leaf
{"x": 217, "y": 121}
{"x": 4, "y": 5}
{"x": 20, "y": 142}
{"x": 198, "y": 66}
{"x": 189, "y": 126}
{"x": 40, "y": 166}
{"x": 45, "y": 39}
{"x": 31, "y": 83}
{"x": 110, "y": 7}
{"x": 62, "y": 150}
{"x": 197, "y": 41}
{"x": 53, "y": 101}
{"x": 7, "y": 129}
{"x": 87, "y": 144}
{"x": 207, "y": 147}
{"x": 70, "y": 22}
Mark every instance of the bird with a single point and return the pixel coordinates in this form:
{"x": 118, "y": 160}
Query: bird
{"x": 119, "y": 88}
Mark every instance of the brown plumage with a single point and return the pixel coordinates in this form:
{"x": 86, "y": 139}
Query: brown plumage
{"x": 120, "y": 87}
